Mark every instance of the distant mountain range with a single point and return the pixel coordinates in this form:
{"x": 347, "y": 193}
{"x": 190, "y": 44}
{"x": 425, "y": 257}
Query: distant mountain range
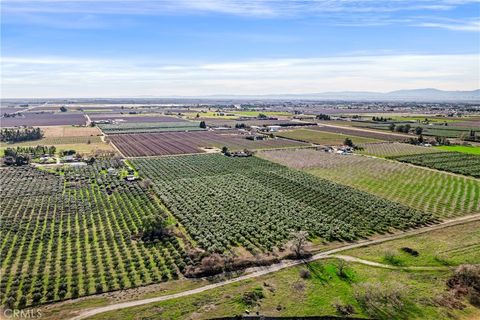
{"x": 428, "y": 94}
{"x": 415, "y": 95}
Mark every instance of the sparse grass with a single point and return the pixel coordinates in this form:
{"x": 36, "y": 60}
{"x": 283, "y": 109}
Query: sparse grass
{"x": 69, "y": 131}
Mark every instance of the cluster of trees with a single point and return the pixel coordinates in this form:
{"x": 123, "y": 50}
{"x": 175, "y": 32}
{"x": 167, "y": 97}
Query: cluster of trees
{"x": 63, "y": 109}
{"x": 22, "y": 155}
{"x": 11, "y": 115}
{"x": 400, "y": 128}
{"x": 19, "y": 135}
{"x": 64, "y": 153}
{"x": 322, "y": 116}
{"x": 262, "y": 116}
{"x": 349, "y": 143}
{"x": 381, "y": 119}
{"x": 471, "y": 136}
{"x": 203, "y": 125}
{"x": 416, "y": 141}
{"x": 240, "y": 125}
{"x": 443, "y": 141}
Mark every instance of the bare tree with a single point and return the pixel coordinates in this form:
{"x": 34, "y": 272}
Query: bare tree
{"x": 299, "y": 240}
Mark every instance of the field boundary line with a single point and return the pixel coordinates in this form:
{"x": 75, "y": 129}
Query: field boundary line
{"x": 115, "y": 147}
{"x": 260, "y": 271}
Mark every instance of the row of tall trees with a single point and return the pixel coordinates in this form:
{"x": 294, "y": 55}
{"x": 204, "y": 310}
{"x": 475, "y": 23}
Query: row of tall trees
{"x": 18, "y": 135}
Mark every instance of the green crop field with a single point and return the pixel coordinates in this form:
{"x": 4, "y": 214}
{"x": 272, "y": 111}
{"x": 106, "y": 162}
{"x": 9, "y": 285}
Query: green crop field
{"x": 441, "y": 194}
{"x": 323, "y": 138}
{"x": 71, "y": 233}
{"x": 457, "y": 162}
{"x": 463, "y": 149}
{"x": 227, "y": 201}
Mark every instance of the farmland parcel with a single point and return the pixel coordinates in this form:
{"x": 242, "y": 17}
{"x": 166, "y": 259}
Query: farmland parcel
{"x": 167, "y": 143}
{"x": 224, "y": 202}
{"x": 71, "y": 233}
{"x": 442, "y": 194}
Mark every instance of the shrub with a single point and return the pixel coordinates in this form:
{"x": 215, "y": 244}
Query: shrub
{"x": 305, "y": 274}
{"x": 213, "y": 262}
{"x": 343, "y": 309}
{"x": 448, "y": 300}
{"x": 392, "y": 258}
{"x": 381, "y": 301}
{"x": 410, "y": 251}
{"x": 253, "y": 297}
{"x": 465, "y": 281}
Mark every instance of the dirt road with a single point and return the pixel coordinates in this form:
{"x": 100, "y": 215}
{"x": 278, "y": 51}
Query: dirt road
{"x": 260, "y": 271}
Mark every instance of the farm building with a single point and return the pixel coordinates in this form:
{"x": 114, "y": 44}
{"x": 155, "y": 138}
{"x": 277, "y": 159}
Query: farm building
{"x": 273, "y": 128}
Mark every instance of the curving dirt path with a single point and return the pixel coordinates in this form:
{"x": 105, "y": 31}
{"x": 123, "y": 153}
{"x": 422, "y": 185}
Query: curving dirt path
{"x": 260, "y": 271}
{"x": 387, "y": 266}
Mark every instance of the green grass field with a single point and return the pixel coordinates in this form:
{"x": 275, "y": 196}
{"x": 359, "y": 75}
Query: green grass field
{"x": 323, "y": 138}
{"x": 449, "y": 246}
{"x": 287, "y": 294}
{"x": 463, "y": 149}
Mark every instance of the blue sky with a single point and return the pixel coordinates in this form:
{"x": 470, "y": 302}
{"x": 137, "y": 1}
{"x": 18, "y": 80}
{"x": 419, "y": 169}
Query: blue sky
{"x": 169, "y": 48}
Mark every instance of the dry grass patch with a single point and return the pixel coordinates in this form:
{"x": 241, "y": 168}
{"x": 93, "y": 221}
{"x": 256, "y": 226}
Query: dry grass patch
{"x": 69, "y": 131}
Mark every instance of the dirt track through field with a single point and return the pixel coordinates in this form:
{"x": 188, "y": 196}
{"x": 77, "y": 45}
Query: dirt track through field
{"x": 260, "y": 271}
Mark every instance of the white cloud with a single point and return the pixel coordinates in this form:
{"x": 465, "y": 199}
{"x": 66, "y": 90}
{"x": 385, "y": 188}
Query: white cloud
{"x": 64, "y": 77}
{"x": 463, "y": 25}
